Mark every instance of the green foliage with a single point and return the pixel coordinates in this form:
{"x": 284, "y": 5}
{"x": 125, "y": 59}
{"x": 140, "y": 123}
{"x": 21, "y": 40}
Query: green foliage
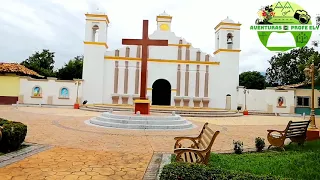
{"x": 3, "y": 121}
{"x": 252, "y": 80}
{"x": 287, "y": 68}
{"x": 238, "y": 147}
{"x": 13, "y": 135}
{"x": 260, "y": 144}
{"x": 41, "y": 62}
{"x": 184, "y": 171}
{"x": 297, "y": 162}
{"x": 72, "y": 69}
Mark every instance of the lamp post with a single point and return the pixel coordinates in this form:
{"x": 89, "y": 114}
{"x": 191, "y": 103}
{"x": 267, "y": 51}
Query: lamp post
{"x": 245, "y": 92}
{"x": 313, "y": 132}
{"x": 76, "y": 105}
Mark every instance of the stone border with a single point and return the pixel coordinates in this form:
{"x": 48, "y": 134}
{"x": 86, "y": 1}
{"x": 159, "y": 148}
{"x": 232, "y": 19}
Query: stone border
{"x": 153, "y": 167}
{"x": 21, "y": 154}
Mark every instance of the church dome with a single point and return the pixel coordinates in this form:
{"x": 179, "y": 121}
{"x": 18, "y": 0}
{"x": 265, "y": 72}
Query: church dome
{"x": 227, "y": 20}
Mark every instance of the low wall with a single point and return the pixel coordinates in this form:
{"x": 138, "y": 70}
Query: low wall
{"x": 267, "y": 100}
{"x": 49, "y": 91}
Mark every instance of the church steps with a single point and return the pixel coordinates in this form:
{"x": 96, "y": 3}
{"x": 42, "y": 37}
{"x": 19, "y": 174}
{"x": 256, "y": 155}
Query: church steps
{"x": 160, "y": 122}
{"x": 186, "y": 125}
{"x": 161, "y": 107}
{"x": 183, "y": 113}
{"x": 141, "y": 122}
{"x": 106, "y": 108}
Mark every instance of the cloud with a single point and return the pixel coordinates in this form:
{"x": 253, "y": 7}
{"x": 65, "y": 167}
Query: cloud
{"x": 31, "y": 25}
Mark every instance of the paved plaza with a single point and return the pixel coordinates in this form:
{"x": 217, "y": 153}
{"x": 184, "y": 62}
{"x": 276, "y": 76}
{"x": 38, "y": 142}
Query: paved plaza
{"x": 81, "y": 151}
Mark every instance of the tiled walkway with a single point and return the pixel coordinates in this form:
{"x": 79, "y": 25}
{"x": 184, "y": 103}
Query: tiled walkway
{"x": 88, "y": 152}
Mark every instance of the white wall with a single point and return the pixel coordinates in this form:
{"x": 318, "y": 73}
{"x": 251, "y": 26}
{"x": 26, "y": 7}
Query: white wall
{"x": 49, "y": 87}
{"x": 258, "y": 100}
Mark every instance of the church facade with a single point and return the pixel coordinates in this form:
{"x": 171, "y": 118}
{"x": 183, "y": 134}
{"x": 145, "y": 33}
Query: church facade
{"x": 178, "y": 74}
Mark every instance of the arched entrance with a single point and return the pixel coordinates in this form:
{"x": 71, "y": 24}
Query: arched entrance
{"x": 161, "y": 92}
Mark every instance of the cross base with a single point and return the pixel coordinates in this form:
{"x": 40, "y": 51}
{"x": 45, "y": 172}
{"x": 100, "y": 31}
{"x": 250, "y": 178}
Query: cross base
{"x": 312, "y": 134}
{"x": 142, "y": 105}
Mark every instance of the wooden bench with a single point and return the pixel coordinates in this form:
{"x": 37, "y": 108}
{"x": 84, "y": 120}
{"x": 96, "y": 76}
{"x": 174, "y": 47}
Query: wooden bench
{"x": 199, "y": 151}
{"x": 296, "y": 131}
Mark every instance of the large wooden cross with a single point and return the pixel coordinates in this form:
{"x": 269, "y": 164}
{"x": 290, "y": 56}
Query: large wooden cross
{"x": 144, "y": 42}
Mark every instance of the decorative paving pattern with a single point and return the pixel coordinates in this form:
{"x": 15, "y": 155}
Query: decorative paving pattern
{"x": 68, "y": 163}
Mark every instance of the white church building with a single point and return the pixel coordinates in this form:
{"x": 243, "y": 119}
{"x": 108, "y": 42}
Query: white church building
{"x": 178, "y": 74}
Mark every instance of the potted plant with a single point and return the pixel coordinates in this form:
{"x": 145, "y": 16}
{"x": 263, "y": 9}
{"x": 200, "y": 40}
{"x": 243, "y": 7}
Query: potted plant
{"x": 260, "y": 144}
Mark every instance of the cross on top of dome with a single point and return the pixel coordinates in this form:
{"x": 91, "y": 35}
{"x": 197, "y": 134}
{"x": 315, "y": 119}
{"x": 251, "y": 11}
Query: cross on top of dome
{"x": 228, "y": 20}
{"x": 164, "y": 14}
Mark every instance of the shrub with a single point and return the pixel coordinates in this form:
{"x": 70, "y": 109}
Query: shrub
{"x": 238, "y": 147}
{"x": 260, "y": 144}
{"x": 13, "y": 135}
{"x": 184, "y": 171}
{"x": 3, "y": 121}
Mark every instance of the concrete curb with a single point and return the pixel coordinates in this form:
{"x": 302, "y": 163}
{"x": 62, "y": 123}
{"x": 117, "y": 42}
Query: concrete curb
{"x": 22, "y": 153}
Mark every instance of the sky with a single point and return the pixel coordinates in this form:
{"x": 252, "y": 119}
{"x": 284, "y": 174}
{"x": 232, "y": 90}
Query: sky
{"x": 58, "y": 25}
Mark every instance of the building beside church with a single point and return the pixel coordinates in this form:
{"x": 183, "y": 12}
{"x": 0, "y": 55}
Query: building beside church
{"x": 178, "y": 74}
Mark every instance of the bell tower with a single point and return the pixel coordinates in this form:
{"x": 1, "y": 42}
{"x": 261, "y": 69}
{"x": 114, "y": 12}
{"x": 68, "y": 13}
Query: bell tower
{"x": 95, "y": 46}
{"x": 227, "y": 35}
{"x": 227, "y": 52}
{"x": 164, "y": 22}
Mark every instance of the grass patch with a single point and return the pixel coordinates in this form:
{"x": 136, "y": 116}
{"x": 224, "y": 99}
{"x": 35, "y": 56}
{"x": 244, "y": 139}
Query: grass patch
{"x": 297, "y": 162}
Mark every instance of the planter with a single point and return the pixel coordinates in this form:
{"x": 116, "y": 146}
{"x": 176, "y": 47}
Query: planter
{"x": 76, "y": 106}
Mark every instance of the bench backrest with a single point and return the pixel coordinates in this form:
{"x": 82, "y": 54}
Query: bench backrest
{"x": 297, "y": 129}
{"x": 207, "y": 137}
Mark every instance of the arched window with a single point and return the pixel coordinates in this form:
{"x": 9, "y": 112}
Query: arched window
{"x": 36, "y": 91}
{"x": 64, "y": 93}
{"x": 95, "y": 33}
{"x": 229, "y": 40}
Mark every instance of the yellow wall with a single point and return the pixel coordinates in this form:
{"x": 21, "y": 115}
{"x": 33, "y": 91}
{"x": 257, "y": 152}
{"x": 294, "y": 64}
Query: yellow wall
{"x": 308, "y": 93}
{"x": 9, "y": 85}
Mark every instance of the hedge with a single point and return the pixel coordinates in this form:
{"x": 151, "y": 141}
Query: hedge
{"x": 184, "y": 171}
{"x": 13, "y": 135}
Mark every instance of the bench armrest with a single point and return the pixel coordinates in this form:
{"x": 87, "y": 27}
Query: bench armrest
{"x": 188, "y": 150}
{"x": 179, "y": 145}
{"x": 275, "y": 131}
{"x": 181, "y": 138}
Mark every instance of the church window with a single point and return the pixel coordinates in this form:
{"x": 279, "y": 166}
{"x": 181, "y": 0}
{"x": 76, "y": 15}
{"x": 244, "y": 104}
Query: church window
{"x": 229, "y": 40}
{"x": 95, "y": 33}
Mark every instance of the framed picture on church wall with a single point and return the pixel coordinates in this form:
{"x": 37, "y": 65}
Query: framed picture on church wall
{"x": 281, "y": 102}
{"x": 36, "y": 92}
{"x": 64, "y": 93}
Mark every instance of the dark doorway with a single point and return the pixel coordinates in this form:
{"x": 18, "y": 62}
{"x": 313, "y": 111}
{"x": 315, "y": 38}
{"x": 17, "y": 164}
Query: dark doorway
{"x": 161, "y": 92}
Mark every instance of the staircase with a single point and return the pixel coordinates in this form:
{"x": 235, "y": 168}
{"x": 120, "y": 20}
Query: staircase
{"x": 170, "y": 122}
{"x": 184, "y": 112}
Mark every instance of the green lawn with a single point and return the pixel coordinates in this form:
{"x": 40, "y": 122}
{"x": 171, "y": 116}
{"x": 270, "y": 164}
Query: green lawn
{"x": 297, "y": 162}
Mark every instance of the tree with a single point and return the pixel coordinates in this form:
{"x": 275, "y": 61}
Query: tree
{"x": 287, "y": 68}
{"x": 42, "y": 63}
{"x": 252, "y": 80}
{"x": 72, "y": 69}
